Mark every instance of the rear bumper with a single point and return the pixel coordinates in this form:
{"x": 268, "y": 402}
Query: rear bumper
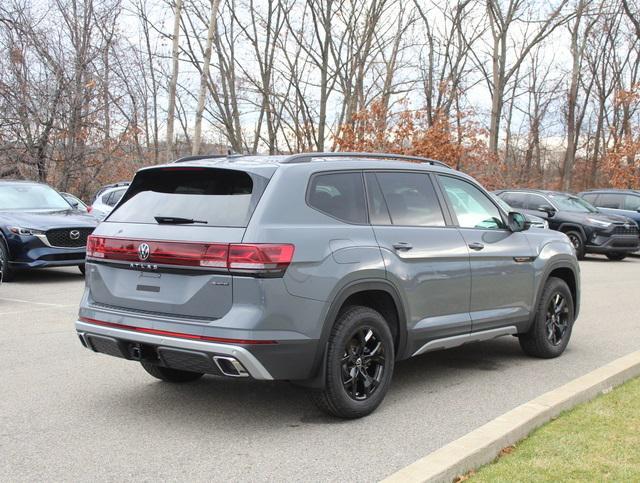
{"x": 196, "y": 355}
{"x": 288, "y": 360}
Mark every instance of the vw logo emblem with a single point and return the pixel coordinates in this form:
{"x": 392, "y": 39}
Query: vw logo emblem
{"x": 143, "y": 251}
{"x": 74, "y": 234}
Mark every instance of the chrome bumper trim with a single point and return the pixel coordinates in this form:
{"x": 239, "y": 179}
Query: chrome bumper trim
{"x": 248, "y": 360}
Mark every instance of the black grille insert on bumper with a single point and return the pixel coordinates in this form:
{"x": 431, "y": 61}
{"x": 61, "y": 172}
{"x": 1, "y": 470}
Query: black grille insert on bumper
{"x": 68, "y": 237}
{"x": 187, "y": 360}
{"x": 184, "y": 360}
{"x": 625, "y": 230}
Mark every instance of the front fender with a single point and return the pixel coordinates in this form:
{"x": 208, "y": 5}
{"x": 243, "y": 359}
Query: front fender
{"x": 557, "y": 254}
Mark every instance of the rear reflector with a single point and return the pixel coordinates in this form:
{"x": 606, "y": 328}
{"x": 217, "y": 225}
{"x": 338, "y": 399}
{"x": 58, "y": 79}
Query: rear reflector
{"x": 242, "y": 257}
{"x": 177, "y": 335}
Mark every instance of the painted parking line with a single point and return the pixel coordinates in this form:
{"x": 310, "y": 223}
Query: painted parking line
{"x": 31, "y": 302}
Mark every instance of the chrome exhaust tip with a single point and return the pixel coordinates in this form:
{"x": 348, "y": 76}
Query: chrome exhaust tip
{"x": 230, "y": 366}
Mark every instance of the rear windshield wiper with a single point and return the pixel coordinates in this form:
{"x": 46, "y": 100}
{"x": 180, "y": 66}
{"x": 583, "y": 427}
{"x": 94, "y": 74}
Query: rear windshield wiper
{"x": 175, "y": 220}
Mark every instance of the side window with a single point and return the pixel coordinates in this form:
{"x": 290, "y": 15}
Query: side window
{"x": 378, "y": 212}
{"x": 112, "y": 198}
{"x": 340, "y": 195}
{"x": 515, "y": 200}
{"x": 610, "y": 201}
{"x": 535, "y": 202}
{"x": 116, "y": 196}
{"x": 410, "y": 199}
{"x": 471, "y": 206}
{"x": 632, "y": 202}
{"x": 591, "y": 198}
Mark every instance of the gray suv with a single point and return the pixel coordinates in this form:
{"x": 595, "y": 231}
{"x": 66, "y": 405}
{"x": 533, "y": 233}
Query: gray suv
{"x": 323, "y": 269}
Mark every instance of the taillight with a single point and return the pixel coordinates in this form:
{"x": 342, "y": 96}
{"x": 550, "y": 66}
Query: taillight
{"x": 260, "y": 257}
{"x": 255, "y": 258}
{"x": 89, "y": 209}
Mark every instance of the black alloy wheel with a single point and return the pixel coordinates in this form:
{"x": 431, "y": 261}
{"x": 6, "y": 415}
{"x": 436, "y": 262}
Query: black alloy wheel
{"x": 550, "y": 331}
{"x": 578, "y": 243}
{"x": 363, "y": 363}
{"x": 557, "y": 319}
{"x": 358, "y": 364}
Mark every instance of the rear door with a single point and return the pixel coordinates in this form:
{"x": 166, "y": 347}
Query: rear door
{"x": 156, "y": 252}
{"x": 502, "y": 273}
{"x": 424, "y": 255}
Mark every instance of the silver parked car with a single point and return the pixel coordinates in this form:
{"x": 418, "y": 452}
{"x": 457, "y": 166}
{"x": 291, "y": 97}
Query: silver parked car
{"x": 323, "y": 269}
{"x": 106, "y": 198}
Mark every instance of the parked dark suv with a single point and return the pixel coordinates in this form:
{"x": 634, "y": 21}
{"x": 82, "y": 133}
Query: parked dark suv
{"x": 589, "y": 230}
{"x": 323, "y": 269}
{"x": 615, "y": 202}
{"x": 39, "y": 228}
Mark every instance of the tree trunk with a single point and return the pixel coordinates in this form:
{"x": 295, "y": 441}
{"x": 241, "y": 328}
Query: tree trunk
{"x": 204, "y": 77}
{"x": 173, "y": 83}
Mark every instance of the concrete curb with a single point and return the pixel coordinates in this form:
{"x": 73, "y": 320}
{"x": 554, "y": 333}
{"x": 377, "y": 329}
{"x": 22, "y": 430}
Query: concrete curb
{"x": 482, "y": 445}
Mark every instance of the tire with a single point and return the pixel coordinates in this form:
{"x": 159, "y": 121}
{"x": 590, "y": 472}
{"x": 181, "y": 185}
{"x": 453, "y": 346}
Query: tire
{"x": 6, "y": 274}
{"x": 360, "y": 354}
{"x": 550, "y": 332}
{"x": 82, "y": 268}
{"x": 170, "y": 375}
{"x": 578, "y": 243}
{"x": 617, "y": 256}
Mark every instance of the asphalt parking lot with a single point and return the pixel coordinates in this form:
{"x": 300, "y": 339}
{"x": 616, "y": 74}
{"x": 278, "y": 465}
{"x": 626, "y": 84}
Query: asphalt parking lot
{"x": 69, "y": 414}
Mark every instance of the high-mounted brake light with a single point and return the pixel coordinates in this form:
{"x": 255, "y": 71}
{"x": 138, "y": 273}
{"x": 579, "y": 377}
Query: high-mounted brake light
{"x": 241, "y": 257}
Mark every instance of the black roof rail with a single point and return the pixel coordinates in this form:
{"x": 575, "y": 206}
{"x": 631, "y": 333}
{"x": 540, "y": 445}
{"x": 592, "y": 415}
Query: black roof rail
{"x": 196, "y": 157}
{"x": 307, "y": 157}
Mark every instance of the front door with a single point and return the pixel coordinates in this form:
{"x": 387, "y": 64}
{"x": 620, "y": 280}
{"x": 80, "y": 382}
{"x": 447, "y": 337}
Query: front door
{"x": 502, "y": 273}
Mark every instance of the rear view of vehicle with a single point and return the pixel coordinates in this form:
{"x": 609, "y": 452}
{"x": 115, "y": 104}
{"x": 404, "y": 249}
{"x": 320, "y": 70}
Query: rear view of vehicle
{"x": 169, "y": 271}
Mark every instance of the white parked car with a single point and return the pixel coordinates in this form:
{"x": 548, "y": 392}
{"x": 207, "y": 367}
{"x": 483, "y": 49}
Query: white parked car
{"x": 106, "y": 198}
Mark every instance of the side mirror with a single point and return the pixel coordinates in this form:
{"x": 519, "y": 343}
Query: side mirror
{"x": 74, "y": 204}
{"x": 549, "y": 210}
{"x": 518, "y": 222}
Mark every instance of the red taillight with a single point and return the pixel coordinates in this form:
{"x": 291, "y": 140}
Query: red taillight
{"x": 252, "y": 258}
{"x": 260, "y": 256}
{"x": 89, "y": 209}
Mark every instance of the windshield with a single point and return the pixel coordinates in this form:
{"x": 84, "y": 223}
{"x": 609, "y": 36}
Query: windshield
{"x": 31, "y": 197}
{"x": 572, "y": 203}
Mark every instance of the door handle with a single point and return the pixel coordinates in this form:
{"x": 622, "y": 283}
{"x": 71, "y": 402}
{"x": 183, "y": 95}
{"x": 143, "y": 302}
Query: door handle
{"x": 476, "y": 246}
{"x": 402, "y": 246}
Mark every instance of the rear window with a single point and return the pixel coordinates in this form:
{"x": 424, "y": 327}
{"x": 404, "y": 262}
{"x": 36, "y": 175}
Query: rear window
{"x": 208, "y": 197}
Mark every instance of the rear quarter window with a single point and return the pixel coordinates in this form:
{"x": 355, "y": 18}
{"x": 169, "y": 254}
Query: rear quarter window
{"x": 210, "y": 196}
{"x": 340, "y": 195}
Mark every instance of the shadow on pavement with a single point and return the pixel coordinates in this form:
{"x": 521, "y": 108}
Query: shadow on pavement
{"x": 214, "y": 402}
{"x": 46, "y": 276}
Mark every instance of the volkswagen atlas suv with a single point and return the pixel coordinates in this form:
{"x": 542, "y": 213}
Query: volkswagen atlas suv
{"x": 323, "y": 269}
{"x": 590, "y": 230}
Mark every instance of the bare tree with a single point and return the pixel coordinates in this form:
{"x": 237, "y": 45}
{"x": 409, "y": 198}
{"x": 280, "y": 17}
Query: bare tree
{"x": 204, "y": 76}
{"x": 506, "y": 60}
{"x": 173, "y": 83}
